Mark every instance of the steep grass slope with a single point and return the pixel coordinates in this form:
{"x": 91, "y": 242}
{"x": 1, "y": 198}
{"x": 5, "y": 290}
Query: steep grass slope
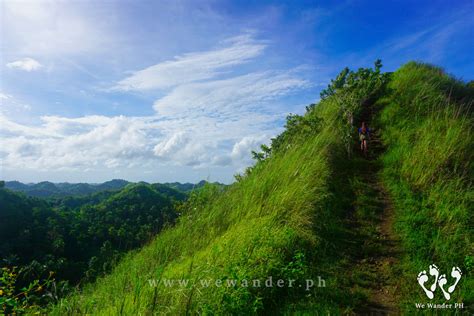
{"x": 290, "y": 216}
{"x": 426, "y": 124}
{"x": 272, "y": 223}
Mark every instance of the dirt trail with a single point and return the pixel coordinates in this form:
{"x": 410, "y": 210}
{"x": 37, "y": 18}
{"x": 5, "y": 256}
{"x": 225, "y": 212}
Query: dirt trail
{"x": 382, "y": 297}
{"x": 374, "y": 274}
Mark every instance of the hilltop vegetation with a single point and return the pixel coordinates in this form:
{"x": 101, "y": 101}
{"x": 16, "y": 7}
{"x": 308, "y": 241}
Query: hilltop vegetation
{"x": 306, "y": 211}
{"x": 281, "y": 219}
{"x": 428, "y": 167}
{"x": 49, "y": 189}
{"x": 61, "y": 190}
{"x": 79, "y": 238}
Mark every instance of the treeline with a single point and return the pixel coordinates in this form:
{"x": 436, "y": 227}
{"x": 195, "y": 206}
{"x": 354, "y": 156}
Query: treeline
{"x": 281, "y": 218}
{"x": 286, "y": 216}
{"x": 78, "y": 237}
{"x": 48, "y": 189}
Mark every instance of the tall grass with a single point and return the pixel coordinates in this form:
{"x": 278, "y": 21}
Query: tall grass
{"x": 287, "y": 218}
{"x": 427, "y": 128}
{"x": 273, "y": 222}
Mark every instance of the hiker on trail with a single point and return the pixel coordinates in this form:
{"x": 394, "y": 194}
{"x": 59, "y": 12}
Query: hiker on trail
{"x": 364, "y": 136}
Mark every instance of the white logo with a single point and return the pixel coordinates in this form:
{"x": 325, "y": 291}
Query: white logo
{"x": 440, "y": 280}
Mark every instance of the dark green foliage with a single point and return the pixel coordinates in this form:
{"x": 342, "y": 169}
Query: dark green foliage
{"x": 188, "y": 187}
{"x": 357, "y": 86}
{"x": 354, "y": 91}
{"x": 49, "y": 189}
{"x": 336, "y": 84}
{"x": 170, "y": 192}
{"x": 76, "y": 201}
{"x": 126, "y": 219}
{"x": 77, "y": 192}
{"x": 282, "y": 218}
{"x": 28, "y": 300}
{"x": 291, "y": 215}
{"x": 80, "y": 237}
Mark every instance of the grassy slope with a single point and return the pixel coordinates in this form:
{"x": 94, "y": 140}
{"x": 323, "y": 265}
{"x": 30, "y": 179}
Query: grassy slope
{"x": 427, "y": 128}
{"x": 287, "y": 218}
{"x": 274, "y": 222}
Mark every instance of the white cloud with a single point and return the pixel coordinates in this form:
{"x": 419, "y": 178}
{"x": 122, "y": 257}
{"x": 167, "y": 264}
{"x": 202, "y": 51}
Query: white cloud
{"x": 193, "y": 66}
{"x": 94, "y": 141}
{"x": 228, "y": 98}
{"x": 205, "y": 119}
{"x": 242, "y": 149}
{"x": 171, "y": 146}
{"x": 11, "y": 106}
{"x": 26, "y": 64}
{"x": 98, "y": 142}
{"x": 227, "y": 118}
{"x": 4, "y": 96}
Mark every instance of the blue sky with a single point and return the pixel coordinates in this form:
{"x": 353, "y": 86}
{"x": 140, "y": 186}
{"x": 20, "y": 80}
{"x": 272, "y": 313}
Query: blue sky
{"x": 183, "y": 90}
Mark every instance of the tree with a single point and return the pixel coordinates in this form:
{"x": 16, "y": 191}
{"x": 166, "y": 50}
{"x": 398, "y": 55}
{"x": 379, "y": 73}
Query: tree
{"x": 352, "y": 90}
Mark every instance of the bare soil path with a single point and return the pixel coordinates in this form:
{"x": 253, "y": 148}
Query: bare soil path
{"x": 374, "y": 273}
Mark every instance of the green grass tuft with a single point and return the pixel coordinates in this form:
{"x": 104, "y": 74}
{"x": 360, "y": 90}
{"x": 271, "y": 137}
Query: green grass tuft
{"x": 427, "y": 128}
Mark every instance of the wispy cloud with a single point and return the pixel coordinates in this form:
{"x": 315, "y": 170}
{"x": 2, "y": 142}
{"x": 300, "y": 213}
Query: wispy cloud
{"x": 206, "y": 118}
{"x": 193, "y": 66}
{"x": 431, "y": 43}
{"x": 123, "y": 142}
{"x": 10, "y": 105}
{"x": 4, "y": 96}
{"x": 26, "y": 64}
{"x": 219, "y": 114}
{"x": 229, "y": 97}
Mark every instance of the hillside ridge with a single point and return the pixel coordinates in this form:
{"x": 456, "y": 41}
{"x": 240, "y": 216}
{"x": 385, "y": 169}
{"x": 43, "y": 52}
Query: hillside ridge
{"x": 352, "y": 232}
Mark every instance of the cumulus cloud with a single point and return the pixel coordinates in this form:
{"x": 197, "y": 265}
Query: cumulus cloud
{"x": 227, "y": 118}
{"x": 121, "y": 142}
{"x": 206, "y": 118}
{"x": 193, "y": 66}
{"x": 26, "y": 64}
{"x": 171, "y": 145}
{"x": 243, "y": 147}
{"x": 95, "y": 141}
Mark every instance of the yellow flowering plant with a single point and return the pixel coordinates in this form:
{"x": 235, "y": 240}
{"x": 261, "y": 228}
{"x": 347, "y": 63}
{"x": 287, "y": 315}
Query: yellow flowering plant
{"x": 14, "y": 300}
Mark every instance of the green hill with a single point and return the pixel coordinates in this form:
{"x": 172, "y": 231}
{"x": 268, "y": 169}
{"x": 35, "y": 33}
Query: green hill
{"x": 426, "y": 122}
{"x": 351, "y": 232}
{"x": 47, "y": 189}
{"x": 78, "y": 238}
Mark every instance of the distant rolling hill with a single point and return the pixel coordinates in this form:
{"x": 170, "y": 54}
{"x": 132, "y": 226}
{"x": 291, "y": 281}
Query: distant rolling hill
{"x": 313, "y": 207}
{"x": 50, "y": 189}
